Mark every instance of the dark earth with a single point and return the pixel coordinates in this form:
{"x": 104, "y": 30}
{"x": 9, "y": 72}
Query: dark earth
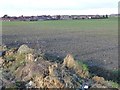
{"x": 95, "y": 43}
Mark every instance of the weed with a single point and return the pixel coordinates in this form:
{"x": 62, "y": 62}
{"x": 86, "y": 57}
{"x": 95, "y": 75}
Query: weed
{"x": 84, "y": 66}
{"x": 114, "y": 84}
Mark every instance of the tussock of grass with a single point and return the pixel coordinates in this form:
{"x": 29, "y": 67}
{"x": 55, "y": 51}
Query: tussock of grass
{"x": 114, "y": 84}
{"x": 82, "y": 69}
{"x": 84, "y": 66}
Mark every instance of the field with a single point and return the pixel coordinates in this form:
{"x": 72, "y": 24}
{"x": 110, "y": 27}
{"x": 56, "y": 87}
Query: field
{"x": 94, "y": 42}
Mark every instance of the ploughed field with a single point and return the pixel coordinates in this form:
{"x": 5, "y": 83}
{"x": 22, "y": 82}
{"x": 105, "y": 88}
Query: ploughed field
{"x": 94, "y": 42}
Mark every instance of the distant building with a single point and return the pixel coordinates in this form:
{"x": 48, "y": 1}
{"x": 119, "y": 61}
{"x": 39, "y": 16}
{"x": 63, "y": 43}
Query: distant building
{"x": 114, "y": 15}
{"x": 65, "y": 17}
{"x": 54, "y": 17}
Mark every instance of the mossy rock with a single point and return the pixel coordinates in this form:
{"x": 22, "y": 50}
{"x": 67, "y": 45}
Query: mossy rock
{"x": 24, "y": 49}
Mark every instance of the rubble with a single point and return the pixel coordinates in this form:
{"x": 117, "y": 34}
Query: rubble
{"x": 41, "y": 73}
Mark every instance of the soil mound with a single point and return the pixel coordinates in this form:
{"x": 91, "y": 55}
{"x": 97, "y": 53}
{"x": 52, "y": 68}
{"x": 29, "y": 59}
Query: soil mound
{"x": 35, "y": 71}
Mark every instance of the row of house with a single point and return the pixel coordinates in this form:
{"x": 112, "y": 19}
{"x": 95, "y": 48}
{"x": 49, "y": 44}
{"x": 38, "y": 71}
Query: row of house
{"x": 54, "y": 17}
{"x": 115, "y": 15}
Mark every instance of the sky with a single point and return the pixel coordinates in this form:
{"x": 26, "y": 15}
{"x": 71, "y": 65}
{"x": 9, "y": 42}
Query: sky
{"x": 58, "y": 7}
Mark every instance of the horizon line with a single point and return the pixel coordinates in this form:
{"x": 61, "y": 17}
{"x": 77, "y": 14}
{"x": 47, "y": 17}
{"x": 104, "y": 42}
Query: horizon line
{"x": 58, "y": 14}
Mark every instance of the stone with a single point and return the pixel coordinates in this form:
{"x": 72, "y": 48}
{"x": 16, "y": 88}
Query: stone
{"x": 3, "y": 47}
{"x": 99, "y": 80}
{"x": 98, "y": 86}
{"x": 1, "y": 84}
{"x": 52, "y": 70}
{"x": 52, "y": 82}
{"x": 24, "y": 49}
{"x": 24, "y": 73}
{"x": 30, "y": 84}
{"x": 11, "y": 52}
{"x": 39, "y": 81}
{"x": 2, "y": 53}
{"x": 1, "y": 61}
{"x": 69, "y": 61}
{"x": 29, "y": 57}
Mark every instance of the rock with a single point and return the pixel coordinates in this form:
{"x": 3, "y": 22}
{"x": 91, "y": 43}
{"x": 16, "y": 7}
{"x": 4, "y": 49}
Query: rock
{"x": 85, "y": 87}
{"x": 53, "y": 82}
{"x": 52, "y": 70}
{"x": 31, "y": 69}
{"x": 24, "y": 49}
{"x": 11, "y": 52}
{"x": 1, "y": 61}
{"x": 69, "y": 61}
{"x": 1, "y": 84}
{"x": 98, "y": 86}
{"x": 3, "y": 47}
{"x": 5, "y": 83}
{"x": 39, "y": 81}
{"x": 2, "y": 53}
{"x": 29, "y": 57}
{"x": 99, "y": 80}
{"x": 30, "y": 84}
{"x": 25, "y": 73}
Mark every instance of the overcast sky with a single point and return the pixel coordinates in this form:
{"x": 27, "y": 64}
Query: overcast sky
{"x": 56, "y": 7}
